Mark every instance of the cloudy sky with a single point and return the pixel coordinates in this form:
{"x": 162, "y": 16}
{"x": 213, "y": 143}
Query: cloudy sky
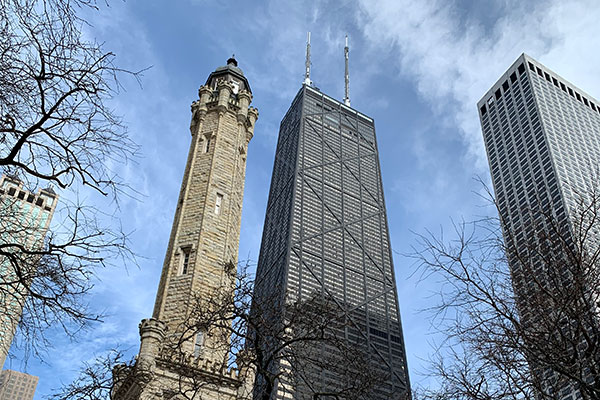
{"x": 418, "y": 68}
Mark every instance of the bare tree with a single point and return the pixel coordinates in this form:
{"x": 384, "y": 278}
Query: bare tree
{"x": 250, "y": 339}
{"x": 57, "y": 128}
{"x": 95, "y": 380}
{"x": 518, "y": 307}
{"x": 300, "y": 345}
{"x": 293, "y": 344}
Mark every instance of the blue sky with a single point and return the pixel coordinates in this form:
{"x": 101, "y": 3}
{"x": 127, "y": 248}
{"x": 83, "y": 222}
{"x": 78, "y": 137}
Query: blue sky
{"x": 417, "y": 68}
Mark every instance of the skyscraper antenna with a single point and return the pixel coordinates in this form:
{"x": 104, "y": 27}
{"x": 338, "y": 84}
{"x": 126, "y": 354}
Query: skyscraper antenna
{"x": 347, "y": 76}
{"x": 307, "y": 80}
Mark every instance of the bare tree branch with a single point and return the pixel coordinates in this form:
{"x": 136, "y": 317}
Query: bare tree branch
{"x": 242, "y": 335}
{"x": 57, "y": 127}
{"x": 528, "y": 331}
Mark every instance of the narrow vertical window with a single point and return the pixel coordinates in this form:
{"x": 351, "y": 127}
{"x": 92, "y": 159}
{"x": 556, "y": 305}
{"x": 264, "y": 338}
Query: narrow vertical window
{"x": 185, "y": 260}
{"x": 218, "y": 203}
{"x": 207, "y": 145}
{"x": 198, "y": 344}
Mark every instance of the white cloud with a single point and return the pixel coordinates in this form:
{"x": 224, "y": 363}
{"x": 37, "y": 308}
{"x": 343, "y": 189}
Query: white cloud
{"x": 454, "y": 60}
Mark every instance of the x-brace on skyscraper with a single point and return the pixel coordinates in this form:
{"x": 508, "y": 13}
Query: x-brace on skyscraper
{"x": 326, "y": 234}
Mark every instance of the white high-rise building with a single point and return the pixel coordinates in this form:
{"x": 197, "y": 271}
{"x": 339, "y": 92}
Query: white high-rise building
{"x": 542, "y": 137}
{"x": 24, "y": 220}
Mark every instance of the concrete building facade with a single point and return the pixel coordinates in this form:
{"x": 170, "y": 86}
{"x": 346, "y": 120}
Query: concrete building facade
{"x": 24, "y": 220}
{"x": 202, "y": 251}
{"x": 16, "y": 385}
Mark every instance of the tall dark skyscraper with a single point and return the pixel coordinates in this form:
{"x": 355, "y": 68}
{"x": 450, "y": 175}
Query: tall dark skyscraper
{"x": 326, "y": 232}
{"x": 542, "y": 137}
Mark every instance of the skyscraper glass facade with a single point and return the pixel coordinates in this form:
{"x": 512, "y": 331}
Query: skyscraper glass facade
{"x": 326, "y": 231}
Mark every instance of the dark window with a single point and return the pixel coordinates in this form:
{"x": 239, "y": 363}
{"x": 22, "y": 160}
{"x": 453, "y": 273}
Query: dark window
{"x": 30, "y": 198}
{"x": 378, "y": 332}
{"x": 396, "y": 339}
{"x": 578, "y": 96}
{"x": 563, "y": 87}
{"x": 585, "y": 102}
{"x": 547, "y": 77}
{"x": 505, "y": 86}
{"x": 498, "y": 94}
{"x": 521, "y": 69}
{"x": 483, "y": 110}
{"x": 555, "y": 81}
{"x": 11, "y": 191}
{"x": 513, "y": 77}
{"x": 539, "y": 71}
{"x": 531, "y": 67}
{"x": 593, "y": 106}
{"x": 39, "y": 202}
{"x": 571, "y": 92}
{"x": 21, "y": 195}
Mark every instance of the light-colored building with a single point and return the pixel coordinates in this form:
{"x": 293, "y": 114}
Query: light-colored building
{"x": 203, "y": 248}
{"x": 24, "y": 220}
{"x": 542, "y": 137}
{"x": 16, "y": 385}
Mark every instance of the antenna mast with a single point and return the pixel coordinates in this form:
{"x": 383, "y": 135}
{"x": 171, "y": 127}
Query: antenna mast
{"x": 307, "y": 80}
{"x": 347, "y": 76}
